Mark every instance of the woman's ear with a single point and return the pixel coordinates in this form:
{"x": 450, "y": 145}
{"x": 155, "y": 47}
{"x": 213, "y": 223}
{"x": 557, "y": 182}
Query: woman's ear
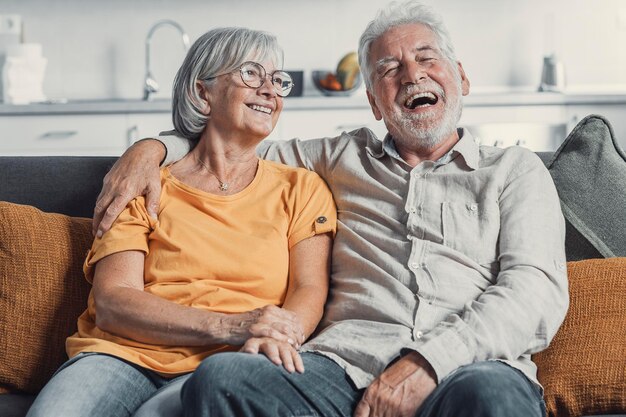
{"x": 205, "y": 103}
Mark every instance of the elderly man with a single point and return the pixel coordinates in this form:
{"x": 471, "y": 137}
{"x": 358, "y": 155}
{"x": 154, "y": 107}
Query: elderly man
{"x": 448, "y": 267}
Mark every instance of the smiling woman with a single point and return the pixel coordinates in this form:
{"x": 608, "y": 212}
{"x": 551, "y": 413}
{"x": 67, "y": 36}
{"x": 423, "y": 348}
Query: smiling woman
{"x": 228, "y": 96}
{"x": 238, "y": 259}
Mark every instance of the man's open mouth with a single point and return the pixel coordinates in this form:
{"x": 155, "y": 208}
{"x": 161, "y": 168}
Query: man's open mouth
{"x": 421, "y": 100}
{"x": 262, "y": 109}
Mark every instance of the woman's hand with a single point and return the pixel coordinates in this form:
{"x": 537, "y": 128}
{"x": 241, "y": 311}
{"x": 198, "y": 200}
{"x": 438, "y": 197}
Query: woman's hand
{"x": 135, "y": 173}
{"x": 265, "y": 322}
{"x": 280, "y": 353}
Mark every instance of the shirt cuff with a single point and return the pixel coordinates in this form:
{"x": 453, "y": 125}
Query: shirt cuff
{"x": 445, "y": 350}
{"x": 175, "y": 146}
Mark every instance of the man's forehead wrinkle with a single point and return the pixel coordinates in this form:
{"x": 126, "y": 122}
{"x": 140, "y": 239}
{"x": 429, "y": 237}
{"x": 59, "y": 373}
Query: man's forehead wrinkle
{"x": 390, "y": 58}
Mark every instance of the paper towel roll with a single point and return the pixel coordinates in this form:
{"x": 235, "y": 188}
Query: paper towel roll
{"x": 23, "y": 73}
{"x": 25, "y": 50}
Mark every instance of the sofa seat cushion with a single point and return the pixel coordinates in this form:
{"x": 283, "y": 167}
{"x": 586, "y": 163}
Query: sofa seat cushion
{"x": 42, "y": 292}
{"x": 583, "y": 371}
{"x": 589, "y": 170}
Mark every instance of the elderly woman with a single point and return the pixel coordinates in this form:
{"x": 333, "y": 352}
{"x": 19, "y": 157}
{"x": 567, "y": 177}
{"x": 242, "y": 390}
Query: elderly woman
{"x": 239, "y": 254}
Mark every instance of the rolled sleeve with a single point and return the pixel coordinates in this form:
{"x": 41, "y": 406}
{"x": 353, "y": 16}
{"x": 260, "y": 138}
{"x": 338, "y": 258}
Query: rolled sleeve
{"x": 176, "y": 147}
{"x": 129, "y": 232}
{"x": 316, "y": 211}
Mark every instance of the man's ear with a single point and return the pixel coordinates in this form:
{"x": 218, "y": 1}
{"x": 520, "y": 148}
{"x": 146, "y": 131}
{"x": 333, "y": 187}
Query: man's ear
{"x": 465, "y": 83}
{"x": 370, "y": 97}
{"x": 205, "y": 101}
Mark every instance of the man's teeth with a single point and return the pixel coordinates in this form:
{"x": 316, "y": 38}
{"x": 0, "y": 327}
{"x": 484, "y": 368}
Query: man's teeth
{"x": 261, "y": 109}
{"x": 421, "y": 99}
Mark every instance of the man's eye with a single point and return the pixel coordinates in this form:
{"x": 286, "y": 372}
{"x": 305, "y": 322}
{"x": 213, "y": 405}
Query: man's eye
{"x": 389, "y": 71}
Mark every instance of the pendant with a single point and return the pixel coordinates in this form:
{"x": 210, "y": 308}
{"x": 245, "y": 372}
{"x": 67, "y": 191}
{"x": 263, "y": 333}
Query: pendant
{"x": 223, "y": 186}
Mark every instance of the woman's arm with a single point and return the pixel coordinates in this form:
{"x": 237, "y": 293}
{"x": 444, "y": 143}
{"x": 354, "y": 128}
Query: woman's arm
{"x": 125, "y": 309}
{"x": 309, "y": 271}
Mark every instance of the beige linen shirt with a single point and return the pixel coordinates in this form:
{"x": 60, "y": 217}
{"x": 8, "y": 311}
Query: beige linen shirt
{"x": 461, "y": 260}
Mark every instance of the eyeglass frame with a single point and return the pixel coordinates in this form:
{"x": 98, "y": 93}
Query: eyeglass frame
{"x": 280, "y": 93}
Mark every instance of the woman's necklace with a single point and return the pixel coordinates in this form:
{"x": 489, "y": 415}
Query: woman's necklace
{"x": 223, "y": 185}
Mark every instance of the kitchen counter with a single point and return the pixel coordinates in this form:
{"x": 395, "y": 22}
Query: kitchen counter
{"x": 313, "y": 102}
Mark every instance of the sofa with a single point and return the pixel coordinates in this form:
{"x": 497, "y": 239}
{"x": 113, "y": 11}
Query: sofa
{"x": 45, "y": 231}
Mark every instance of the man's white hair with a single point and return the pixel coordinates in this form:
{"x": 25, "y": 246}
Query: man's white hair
{"x": 396, "y": 14}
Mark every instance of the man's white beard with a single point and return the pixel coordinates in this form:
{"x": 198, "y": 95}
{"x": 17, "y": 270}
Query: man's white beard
{"x": 414, "y": 134}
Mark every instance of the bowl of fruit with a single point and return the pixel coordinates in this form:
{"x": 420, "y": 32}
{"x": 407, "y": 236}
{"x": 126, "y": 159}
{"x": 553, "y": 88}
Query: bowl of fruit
{"x": 344, "y": 81}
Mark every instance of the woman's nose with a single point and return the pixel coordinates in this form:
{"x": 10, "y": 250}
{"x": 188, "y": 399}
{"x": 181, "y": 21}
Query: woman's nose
{"x": 267, "y": 88}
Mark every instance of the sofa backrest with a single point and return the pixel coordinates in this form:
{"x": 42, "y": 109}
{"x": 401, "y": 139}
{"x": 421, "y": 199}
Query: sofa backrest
{"x": 56, "y": 184}
{"x": 70, "y": 185}
{"x": 63, "y": 184}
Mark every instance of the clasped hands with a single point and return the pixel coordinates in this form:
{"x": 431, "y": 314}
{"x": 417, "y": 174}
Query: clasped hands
{"x": 275, "y": 332}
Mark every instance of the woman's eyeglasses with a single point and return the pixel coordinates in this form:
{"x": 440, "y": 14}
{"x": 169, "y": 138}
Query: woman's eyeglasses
{"x": 254, "y": 74}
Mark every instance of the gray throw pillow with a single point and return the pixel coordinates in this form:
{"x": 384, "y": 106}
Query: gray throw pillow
{"x": 589, "y": 170}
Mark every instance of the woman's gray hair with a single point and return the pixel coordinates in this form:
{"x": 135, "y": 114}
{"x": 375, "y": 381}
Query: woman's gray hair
{"x": 218, "y": 51}
{"x": 396, "y": 14}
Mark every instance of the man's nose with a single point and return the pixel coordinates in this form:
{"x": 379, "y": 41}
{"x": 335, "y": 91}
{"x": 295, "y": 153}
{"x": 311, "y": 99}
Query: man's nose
{"x": 413, "y": 73}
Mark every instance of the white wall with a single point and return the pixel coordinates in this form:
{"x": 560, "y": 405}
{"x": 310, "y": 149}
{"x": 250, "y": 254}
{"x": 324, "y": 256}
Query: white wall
{"x": 95, "y": 48}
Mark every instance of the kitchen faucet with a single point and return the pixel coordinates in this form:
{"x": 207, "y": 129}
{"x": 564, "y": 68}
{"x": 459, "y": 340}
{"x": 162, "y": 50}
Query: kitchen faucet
{"x": 150, "y": 85}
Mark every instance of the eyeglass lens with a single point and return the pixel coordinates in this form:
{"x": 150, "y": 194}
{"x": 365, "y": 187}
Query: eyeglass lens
{"x": 253, "y": 75}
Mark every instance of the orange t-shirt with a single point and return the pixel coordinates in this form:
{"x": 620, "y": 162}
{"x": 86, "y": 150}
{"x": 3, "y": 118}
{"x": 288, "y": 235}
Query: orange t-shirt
{"x": 227, "y": 254}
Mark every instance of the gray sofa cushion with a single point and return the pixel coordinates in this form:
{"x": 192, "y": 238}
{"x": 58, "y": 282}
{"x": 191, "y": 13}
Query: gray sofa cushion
{"x": 589, "y": 170}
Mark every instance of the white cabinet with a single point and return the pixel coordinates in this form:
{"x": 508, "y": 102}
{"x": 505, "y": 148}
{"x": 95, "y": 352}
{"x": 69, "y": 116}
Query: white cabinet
{"x": 319, "y": 123}
{"x": 537, "y": 121}
{"x": 536, "y": 127}
{"x": 63, "y": 135}
{"x": 146, "y": 125}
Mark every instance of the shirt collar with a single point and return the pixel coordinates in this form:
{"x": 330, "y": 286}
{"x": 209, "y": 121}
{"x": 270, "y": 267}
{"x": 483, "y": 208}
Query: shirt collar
{"x": 466, "y": 147}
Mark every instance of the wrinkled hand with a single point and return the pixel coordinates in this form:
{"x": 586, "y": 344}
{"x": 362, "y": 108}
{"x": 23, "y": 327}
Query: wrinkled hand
{"x": 135, "y": 173}
{"x": 269, "y": 321}
{"x": 280, "y": 353}
{"x": 400, "y": 390}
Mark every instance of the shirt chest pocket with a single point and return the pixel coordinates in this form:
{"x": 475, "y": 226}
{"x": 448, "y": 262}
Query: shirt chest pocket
{"x": 472, "y": 228}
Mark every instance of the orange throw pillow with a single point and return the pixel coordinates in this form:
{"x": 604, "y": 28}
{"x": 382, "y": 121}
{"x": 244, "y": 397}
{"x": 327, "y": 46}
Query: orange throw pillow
{"x": 42, "y": 292}
{"x": 583, "y": 371}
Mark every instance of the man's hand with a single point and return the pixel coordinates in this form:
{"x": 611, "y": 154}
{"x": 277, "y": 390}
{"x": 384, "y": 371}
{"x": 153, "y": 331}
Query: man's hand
{"x": 280, "y": 353}
{"x": 135, "y": 173}
{"x": 400, "y": 390}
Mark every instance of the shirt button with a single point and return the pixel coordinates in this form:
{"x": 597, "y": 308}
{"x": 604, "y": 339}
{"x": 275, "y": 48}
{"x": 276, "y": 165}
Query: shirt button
{"x": 412, "y": 210}
{"x": 473, "y": 207}
{"x": 419, "y": 334}
{"x": 414, "y": 265}
{"x": 321, "y": 219}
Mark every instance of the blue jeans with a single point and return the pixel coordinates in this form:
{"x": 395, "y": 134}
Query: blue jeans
{"x": 239, "y": 384}
{"x": 96, "y": 385}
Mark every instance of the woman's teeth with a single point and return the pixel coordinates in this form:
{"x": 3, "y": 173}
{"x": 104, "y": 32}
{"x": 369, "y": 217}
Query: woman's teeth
{"x": 261, "y": 108}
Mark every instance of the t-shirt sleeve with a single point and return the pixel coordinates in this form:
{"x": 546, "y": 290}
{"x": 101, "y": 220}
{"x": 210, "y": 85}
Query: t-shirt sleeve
{"x": 314, "y": 211}
{"x": 129, "y": 232}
